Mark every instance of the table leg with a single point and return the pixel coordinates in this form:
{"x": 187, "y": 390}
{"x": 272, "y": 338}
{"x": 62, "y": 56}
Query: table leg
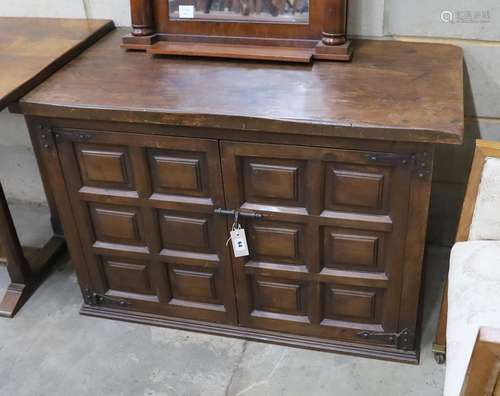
{"x": 17, "y": 266}
{"x": 25, "y": 268}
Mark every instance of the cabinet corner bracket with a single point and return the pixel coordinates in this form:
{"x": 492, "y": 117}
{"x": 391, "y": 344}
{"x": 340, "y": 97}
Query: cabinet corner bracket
{"x": 405, "y": 339}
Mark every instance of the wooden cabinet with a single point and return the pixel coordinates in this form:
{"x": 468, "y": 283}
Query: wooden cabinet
{"x": 331, "y": 165}
{"x": 328, "y": 249}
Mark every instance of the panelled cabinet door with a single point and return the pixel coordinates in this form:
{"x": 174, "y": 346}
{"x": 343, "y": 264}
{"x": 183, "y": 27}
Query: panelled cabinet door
{"x": 326, "y": 259}
{"x": 144, "y": 205}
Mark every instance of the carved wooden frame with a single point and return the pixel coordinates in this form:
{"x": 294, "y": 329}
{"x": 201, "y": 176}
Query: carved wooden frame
{"x": 324, "y": 37}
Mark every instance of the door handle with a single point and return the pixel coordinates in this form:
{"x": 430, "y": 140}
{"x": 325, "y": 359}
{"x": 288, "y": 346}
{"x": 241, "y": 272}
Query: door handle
{"x": 237, "y": 213}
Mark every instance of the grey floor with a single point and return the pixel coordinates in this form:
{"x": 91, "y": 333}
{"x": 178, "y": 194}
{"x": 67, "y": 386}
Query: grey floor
{"x": 48, "y": 349}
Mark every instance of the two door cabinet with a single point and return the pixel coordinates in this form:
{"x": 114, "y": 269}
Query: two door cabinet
{"x": 327, "y": 167}
{"x": 335, "y": 232}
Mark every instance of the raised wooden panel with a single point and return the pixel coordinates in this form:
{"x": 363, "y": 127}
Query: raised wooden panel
{"x": 184, "y": 231}
{"x": 194, "y": 285}
{"x": 116, "y": 224}
{"x": 278, "y": 242}
{"x": 177, "y": 172}
{"x": 127, "y": 276}
{"x": 279, "y": 296}
{"x": 104, "y": 166}
{"x": 273, "y": 181}
{"x": 350, "y": 304}
{"x": 361, "y": 250}
{"x": 354, "y": 188}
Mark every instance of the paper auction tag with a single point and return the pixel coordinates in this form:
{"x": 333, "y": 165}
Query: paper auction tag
{"x": 186, "y": 11}
{"x": 239, "y": 241}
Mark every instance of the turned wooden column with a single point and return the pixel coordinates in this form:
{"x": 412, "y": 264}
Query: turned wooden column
{"x": 142, "y": 17}
{"x": 335, "y": 22}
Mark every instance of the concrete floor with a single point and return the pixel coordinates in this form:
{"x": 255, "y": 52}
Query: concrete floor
{"x": 48, "y": 349}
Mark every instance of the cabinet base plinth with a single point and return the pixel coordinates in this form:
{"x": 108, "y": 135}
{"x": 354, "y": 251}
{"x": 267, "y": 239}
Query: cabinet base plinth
{"x": 348, "y": 348}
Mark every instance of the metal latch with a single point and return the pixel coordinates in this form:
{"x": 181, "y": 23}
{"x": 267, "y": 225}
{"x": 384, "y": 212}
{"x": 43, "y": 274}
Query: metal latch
{"x": 403, "y": 340}
{"x": 95, "y": 299}
{"x": 237, "y": 213}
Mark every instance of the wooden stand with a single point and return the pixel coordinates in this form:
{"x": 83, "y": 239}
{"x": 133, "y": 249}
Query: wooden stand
{"x": 324, "y": 37}
{"x": 26, "y": 269}
{"x": 26, "y": 66}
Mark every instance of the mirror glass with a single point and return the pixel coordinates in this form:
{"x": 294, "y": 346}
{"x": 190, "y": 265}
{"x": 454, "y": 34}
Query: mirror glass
{"x": 269, "y": 11}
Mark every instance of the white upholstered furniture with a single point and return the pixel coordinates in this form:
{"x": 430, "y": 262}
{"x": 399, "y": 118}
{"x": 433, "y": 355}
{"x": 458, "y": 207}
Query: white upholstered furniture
{"x": 474, "y": 276}
{"x": 473, "y": 301}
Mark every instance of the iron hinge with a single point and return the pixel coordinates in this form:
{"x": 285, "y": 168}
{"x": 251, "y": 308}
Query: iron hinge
{"x": 420, "y": 162}
{"x": 390, "y": 159}
{"x": 423, "y": 164}
{"x": 95, "y": 299}
{"x": 46, "y": 137}
{"x": 405, "y": 339}
{"x": 72, "y": 136}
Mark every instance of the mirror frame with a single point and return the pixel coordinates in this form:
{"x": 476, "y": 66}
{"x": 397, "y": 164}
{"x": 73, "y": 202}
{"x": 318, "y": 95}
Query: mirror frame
{"x": 324, "y": 37}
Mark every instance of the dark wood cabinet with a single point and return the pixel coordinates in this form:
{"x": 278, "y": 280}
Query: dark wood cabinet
{"x": 328, "y": 249}
{"x": 330, "y": 166}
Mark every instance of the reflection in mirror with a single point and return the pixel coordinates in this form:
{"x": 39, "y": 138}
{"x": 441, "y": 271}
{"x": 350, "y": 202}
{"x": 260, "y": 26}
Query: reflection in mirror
{"x": 271, "y": 11}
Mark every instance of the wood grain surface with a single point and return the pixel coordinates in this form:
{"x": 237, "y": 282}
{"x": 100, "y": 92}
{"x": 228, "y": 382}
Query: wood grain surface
{"x": 391, "y": 91}
{"x": 31, "y": 49}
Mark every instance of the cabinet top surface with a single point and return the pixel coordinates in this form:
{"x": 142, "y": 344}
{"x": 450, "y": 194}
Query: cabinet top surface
{"x": 33, "y": 48}
{"x": 391, "y": 90}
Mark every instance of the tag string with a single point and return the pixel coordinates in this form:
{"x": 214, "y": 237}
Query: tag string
{"x": 236, "y": 226}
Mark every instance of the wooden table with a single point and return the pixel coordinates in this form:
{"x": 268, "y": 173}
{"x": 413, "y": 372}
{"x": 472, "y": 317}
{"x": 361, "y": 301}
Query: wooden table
{"x": 30, "y": 51}
{"x": 330, "y": 165}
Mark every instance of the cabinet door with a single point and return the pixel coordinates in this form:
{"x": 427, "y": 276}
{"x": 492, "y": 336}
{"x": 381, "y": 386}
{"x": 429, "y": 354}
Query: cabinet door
{"x": 326, "y": 259}
{"x": 144, "y": 206}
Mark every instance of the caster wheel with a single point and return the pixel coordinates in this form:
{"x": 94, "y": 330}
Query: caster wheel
{"x": 439, "y": 357}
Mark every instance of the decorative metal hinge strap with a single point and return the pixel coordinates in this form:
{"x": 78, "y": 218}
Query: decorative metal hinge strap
{"x": 420, "y": 162}
{"x": 390, "y": 159}
{"x": 95, "y": 299}
{"x": 72, "y": 136}
{"x": 405, "y": 339}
